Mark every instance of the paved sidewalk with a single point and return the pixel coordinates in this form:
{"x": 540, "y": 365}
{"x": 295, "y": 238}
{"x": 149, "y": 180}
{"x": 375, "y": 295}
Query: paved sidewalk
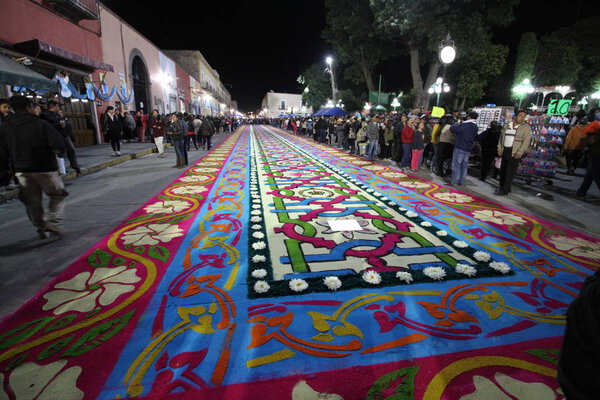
{"x": 95, "y": 158}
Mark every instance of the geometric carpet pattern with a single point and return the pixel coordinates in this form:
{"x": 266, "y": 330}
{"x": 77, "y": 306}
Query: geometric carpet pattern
{"x": 236, "y": 281}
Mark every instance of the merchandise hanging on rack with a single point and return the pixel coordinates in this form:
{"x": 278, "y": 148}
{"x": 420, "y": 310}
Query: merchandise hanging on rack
{"x": 547, "y": 137}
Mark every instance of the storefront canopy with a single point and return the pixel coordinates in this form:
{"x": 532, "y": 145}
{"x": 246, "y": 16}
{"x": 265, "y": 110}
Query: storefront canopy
{"x": 13, "y": 73}
{"x": 331, "y": 112}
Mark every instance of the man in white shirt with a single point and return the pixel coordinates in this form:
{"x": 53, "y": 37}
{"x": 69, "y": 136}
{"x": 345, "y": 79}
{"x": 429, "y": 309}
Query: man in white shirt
{"x": 514, "y": 142}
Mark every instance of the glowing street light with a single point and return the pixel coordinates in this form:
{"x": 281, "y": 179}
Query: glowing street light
{"x": 447, "y": 52}
{"x": 329, "y": 61}
{"x": 522, "y": 89}
{"x": 438, "y": 87}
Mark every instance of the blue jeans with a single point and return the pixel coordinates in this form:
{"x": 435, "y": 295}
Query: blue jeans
{"x": 372, "y": 149}
{"x": 460, "y": 161}
{"x": 406, "y": 154}
{"x": 180, "y": 150}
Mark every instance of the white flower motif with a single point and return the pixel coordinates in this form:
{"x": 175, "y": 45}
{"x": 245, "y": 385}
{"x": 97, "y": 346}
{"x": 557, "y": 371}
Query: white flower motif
{"x": 426, "y": 224}
{"x": 167, "y": 207}
{"x": 258, "y": 235}
{"x": 497, "y": 389}
{"x": 152, "y": 234}
{"x": 396, "y": 175}
{"x": 190, "y": 189}
{"x": 411, "y": 214}
{"x": 498, "y": 217}
{"x": 261, "y": 287}
{"x": 441, "y": 233}
{"x": 50, "y": 381}
{"x": 466, "y": 269}
{"x": 501, "y": 267}
{"x": 404, "y": 276}
{"x": 435, "y": 273}
{"x": 258, "y": 259}
{"x": 255, "y": 219}
{"x": 259, "y": 245}
{"x": 259, "y": 273}
{"x": 391, "y": 203}
{"x": 298, "y": 285}
{"x": 577, "y": 246}
{"x": 256, "y": 227}
{"x": 402, "y": 209}
{"x": 460, "y": 244}
{"x": 385, "y": 199}
{"x": 85, "y": 291}
{"x": 256, "y": 200}
{"x": 370, "y": 190}
{"x": 453, "y": 197}
{"x": 195, "y": 178}
{"x": 256, "y": 212}
{"x": 482, "y": 256}
{"x": 332, "y": 282}
{"x": 371, "y": 277}
{"x": 413, "y": 184}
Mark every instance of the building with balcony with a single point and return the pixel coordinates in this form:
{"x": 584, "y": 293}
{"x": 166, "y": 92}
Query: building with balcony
{"x": 275, "y": 104}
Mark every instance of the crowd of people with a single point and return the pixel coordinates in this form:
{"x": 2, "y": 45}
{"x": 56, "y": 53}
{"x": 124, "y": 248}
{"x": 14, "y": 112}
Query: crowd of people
{"x": 446, "y": 145}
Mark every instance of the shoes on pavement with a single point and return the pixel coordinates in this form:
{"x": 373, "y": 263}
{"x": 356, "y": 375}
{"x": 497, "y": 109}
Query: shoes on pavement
{"x": 501, "y": 192}
{"x": 114, "y": 154}
{"x": 118, "y": 153}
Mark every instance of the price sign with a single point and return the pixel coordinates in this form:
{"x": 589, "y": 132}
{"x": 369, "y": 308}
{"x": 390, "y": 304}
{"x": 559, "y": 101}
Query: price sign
{"x": 559, "y": 107}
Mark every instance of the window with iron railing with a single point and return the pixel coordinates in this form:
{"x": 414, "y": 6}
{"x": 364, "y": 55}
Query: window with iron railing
{"x": 75, "y": 10}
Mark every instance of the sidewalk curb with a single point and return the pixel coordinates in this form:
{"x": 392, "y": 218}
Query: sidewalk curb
{"x": 12, "y": 194}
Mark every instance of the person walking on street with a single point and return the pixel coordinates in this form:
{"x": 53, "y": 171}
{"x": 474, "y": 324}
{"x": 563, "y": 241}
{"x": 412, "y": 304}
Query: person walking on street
{"x": 373, "y": 136}
{"x": 207, "y": 130}
{"x": 465, "y": 134}
{"x": 140, "y": 126}
{"x": 176, "y": 131}
{"x": 489, "y": 144}
{"x": 513, "y": 143}
{"x": 32, "y": 144}
{"x": 53, "y": 115}
{"x": 157, "y": 126}
{"x": 592, "y": 173}
{"x": 574, "y": 145}
{"x": 113, "y": 129}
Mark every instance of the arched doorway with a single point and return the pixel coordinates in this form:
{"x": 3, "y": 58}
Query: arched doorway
{"x": 141, "y": 82}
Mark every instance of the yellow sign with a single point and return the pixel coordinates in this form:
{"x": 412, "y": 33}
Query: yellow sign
{"x": 437, "y": 112}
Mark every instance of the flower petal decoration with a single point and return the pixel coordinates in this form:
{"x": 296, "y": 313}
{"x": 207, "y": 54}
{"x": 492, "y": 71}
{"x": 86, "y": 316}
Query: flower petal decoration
{"x": 411, "y": 214}
{"x": 259, "y": 245}
{"x": 261, "y": 287}
{"x": 426, "y": 224}
{"x": 501, "y": 267}
{"x": 256, "y": 227}
{"x": 258, "y": 258}
{"x": 435, "y": 273}
{"x": 259, "y": 273}
{"x": 466, "y": 269}
{"x": 453, "y": 197}
{"x": 258, "y": 235}
{"x": 498, "y": 217}
{"x": 404, "y": 276}
{"x": 332, "y": 282}
{"x": 371, "y": 277}
{"x": 256, "y": 212}
{"x": 298, "y": 285}
{"x": 167, "y": 207}
{"x": 482, "y": 256}
{"x": 189, "y": 189}
{"x": 460, "y": 244}
{"x": 255, "y": 219}
{"x": 151, "y": 234}
{"x": 441, "y": 233}
{"x": 577, "y": 246}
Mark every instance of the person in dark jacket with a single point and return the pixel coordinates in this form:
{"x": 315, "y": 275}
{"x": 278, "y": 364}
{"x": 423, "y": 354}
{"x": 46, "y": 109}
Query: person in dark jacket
{"x": 578, "y": 363}
{"x": 418, "y": 145}
{"x": 176, "y": 129}
{"x": 489, "y": 143}
{"x": 465, "y": 133}
{"x": 157, "y": 126}
{"x": 207, "y": 130}
{"x": 592, "y": 173}
{"x": 407, "y": 138}
{"x": 32, "y": 144}
{"x": 113, "y": 129}
{"x": 397, "y": 146}
{"x": 53, "y": 115}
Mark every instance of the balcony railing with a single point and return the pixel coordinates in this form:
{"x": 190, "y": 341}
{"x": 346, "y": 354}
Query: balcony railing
{"x": 75, "y": 10}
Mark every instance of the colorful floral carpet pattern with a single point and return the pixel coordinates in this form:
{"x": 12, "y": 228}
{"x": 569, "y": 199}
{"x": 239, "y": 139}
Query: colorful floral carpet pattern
{"x": 235, "y": 283}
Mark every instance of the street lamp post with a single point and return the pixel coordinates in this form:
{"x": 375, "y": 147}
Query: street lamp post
{"x": 438, "y": 87}
{"x": 329, "y": 61}
{"x": 523, "y": 89}
{"x": 447, "y": 55}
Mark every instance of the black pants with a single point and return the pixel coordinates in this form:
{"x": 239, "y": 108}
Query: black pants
{"x": 508, "y": 169}
{"x": 592, "y": 174}
{"x": 445, "y": 151}
{"x": 487, "y": 158}
{"x": 397, "y": 149}
{"x": 572, "y": 157}
{"x": 71, "y": 153}
{"x": 115, "y": 143}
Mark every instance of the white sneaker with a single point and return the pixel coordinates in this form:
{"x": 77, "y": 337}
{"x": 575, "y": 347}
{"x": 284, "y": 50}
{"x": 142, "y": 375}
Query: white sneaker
{"x": 114, "y": 154}
{"x": 118, "y": 153}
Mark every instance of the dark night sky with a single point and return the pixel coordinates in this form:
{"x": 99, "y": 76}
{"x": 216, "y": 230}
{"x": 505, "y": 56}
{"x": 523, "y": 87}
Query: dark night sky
{"x": 261, "y": 45}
